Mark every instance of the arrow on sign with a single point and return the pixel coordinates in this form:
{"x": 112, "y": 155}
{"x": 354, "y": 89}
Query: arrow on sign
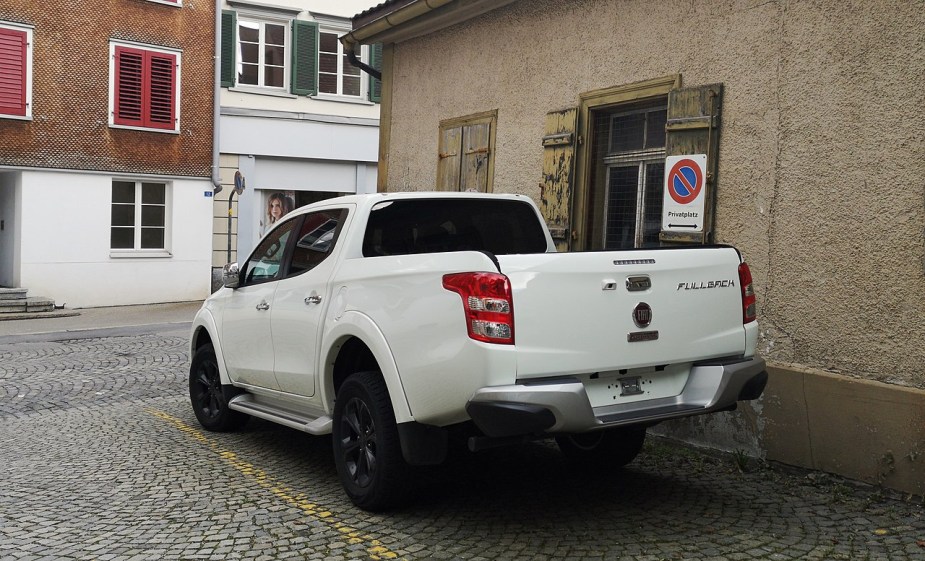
{"x": 682, "y": 225}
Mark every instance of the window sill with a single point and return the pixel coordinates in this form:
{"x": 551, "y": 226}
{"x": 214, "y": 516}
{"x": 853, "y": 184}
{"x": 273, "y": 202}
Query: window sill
{"x": 16, "y": 117}
{"x": 342, "y": 99}
{"x": 262, "y": 91}
{"x": 175, "y": 3}
{"x": 144, "y": 129}
{"x": 139, "y": 254}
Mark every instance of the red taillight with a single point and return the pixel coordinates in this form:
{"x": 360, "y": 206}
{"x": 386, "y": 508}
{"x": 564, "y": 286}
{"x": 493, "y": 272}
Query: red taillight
{"x": 488, "y": 304}
{"x": 749, "y": 306}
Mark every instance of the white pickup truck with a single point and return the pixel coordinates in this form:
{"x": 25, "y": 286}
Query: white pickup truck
{"x": 394, "y": 320}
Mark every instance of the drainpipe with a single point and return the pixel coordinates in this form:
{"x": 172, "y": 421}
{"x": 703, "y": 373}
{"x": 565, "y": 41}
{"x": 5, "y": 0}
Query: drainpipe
{"x": 411, "y": 11}
{"x": 217, "y": 90}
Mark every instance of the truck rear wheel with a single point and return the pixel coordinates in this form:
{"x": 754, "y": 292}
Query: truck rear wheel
{"x": 367, "y": 450}
{"x": 613, "y": 447}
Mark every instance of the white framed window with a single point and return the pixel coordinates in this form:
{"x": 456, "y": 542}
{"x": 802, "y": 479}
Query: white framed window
{"x": 140, "y": 212}
{"x": 15, "y": 71}
{"x": 336, "y": 75}
{"x": 144, "y": 90}
{"x": 263, "y": 52}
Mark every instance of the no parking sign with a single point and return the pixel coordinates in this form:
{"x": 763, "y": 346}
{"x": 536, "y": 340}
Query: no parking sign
{"x": 684, "y": 200}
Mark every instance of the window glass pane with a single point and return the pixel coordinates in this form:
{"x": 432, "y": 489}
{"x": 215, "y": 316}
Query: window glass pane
{"x": 327, "y": 63}
{"x": 274, "y": 56}
{"x": 153, "y": 193}
{"x": 264, "y": 263}
{"x": 248, "y": 74}
{"x": 351, "y": 85}
{"x": 655, "y": 184}
{"x": 627, "y": 133}
{"x": 123, "y": 191}
{"x": 152, "y": 238}
{"x": 315, "y": 241}
{"x": 620, "y": 221}
{"x": 123, "y": 215}
{"x": 327, "y": 83}
{"x": 349, "y": 68}
{"x": 327, "y": 42}
{"x": 275, "y": 34}
{"x": 250, "y": 53}
{"x": 273, "y": 76}
{"x": 152, "y": 215}
{"x": 248, "y": 31}
{"x": 122, "y": 238}
{"x": 411, "y": 226}
{"x": 655, "y": 128}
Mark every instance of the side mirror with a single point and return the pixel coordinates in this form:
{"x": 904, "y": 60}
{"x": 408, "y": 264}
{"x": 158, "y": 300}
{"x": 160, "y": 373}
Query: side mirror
{"x": 231, "y": 275}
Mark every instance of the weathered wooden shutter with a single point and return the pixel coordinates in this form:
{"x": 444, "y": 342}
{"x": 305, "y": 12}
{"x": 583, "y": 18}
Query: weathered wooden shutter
{"x": 304, "y": 57}
{"x": 475, "y": 158}
{"x": 13, "y": 77}
{"x": 449, "y": 158}
{"x": 229, "y": 33}
{"x": 693, "y": 128}
{"x": 558, "y": 173}
{"x": 375, "y": 60}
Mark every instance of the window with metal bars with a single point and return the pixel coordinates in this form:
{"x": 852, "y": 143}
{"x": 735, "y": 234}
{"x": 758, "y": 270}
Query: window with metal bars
{"x": 627, "y": 180}
{"x": 144, "y": 88}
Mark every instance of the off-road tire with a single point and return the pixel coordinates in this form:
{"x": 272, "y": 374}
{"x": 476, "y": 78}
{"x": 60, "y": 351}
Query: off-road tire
{"x": 367, "y": 450}
{"x": 209, "y": 396}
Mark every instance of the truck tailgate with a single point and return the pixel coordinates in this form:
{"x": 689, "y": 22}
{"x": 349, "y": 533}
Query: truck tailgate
{"x": 573, "y": 312}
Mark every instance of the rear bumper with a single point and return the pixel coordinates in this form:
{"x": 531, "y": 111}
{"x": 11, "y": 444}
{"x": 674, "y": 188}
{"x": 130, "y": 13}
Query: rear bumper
{"x": 562, "y": 405}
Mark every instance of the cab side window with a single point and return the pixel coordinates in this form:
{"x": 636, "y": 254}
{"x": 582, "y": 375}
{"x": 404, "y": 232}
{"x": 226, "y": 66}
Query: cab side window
{"x": 316, "y": 239}
{"x": 265, "y": 264}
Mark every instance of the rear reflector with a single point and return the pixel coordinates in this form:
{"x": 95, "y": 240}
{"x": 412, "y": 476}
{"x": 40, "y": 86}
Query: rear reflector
{"x": 487, "y": 303}
{"x": 749, "y": 304}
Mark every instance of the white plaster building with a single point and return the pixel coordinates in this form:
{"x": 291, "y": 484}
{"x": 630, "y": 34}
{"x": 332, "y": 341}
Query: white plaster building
{"x": 296, "y": 117}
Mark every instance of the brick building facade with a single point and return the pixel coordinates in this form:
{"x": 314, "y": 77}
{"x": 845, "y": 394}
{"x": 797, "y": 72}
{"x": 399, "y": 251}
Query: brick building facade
{"x": 106, "y": 158}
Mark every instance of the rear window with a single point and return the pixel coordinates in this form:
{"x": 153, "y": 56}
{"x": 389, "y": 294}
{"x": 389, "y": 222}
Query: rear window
{"x": 501, "y": 227}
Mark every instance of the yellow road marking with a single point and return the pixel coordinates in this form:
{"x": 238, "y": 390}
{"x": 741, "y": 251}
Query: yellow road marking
{"x": 374, "y": 547}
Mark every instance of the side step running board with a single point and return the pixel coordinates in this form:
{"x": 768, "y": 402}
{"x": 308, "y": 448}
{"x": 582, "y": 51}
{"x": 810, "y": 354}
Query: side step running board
{"x": 312, "y": 425}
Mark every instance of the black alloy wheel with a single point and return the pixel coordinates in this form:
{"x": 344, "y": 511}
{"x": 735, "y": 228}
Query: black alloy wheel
{"x": 209, "y": 397}
{"x": 367, "y": 450}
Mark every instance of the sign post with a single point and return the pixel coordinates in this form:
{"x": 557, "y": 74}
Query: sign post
{"x": 684, "y": 203}
{"x": 239, "y": 189}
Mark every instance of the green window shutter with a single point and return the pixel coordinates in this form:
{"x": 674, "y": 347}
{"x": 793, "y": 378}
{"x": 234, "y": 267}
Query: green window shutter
{"x": 229, "y": 27}
{"x": 375, "y": 60}
{"x": 304, "y": 57}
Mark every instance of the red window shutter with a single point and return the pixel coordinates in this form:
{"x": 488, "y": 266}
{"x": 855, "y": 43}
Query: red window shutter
{"x": 162, "y": 72}
{"x": 129, "y": 87}
{"x": 145, "y": 88}
{"x": 12, "y": 72}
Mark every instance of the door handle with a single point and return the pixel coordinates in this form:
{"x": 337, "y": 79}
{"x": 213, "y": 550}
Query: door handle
{"x": 263, "y": 306}
{"x": 313, "y": 299}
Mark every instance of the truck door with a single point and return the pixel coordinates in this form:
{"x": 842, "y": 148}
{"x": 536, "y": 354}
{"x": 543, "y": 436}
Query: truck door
{"x": 301, "y": 301}
{"x": 246, "y": 336}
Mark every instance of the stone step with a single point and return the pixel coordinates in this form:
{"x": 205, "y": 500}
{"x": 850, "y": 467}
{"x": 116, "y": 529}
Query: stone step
{"x": 13, "y": 293}
{"x": 34, "y": 304}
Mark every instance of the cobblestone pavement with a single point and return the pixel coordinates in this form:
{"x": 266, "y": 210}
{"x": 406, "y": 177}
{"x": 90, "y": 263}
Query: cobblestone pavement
{"x": 102, "y": 459}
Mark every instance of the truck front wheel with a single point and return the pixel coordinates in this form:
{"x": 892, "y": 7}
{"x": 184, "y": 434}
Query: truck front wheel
{"x": 367, "y": 450}
{"x": 209, "y": 396}
{"x": 611, "y": 448}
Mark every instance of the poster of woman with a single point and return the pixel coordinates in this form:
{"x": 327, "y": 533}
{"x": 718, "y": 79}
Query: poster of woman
{"x": 279, "y": 203}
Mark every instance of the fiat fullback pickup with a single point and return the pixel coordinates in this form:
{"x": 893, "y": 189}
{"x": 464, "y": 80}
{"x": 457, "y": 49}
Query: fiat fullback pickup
{"x": 395, "y": 321}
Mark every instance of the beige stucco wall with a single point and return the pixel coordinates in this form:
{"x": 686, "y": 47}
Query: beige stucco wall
{"x": 819, "y": 184}
{"x": 820, "y": 162}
